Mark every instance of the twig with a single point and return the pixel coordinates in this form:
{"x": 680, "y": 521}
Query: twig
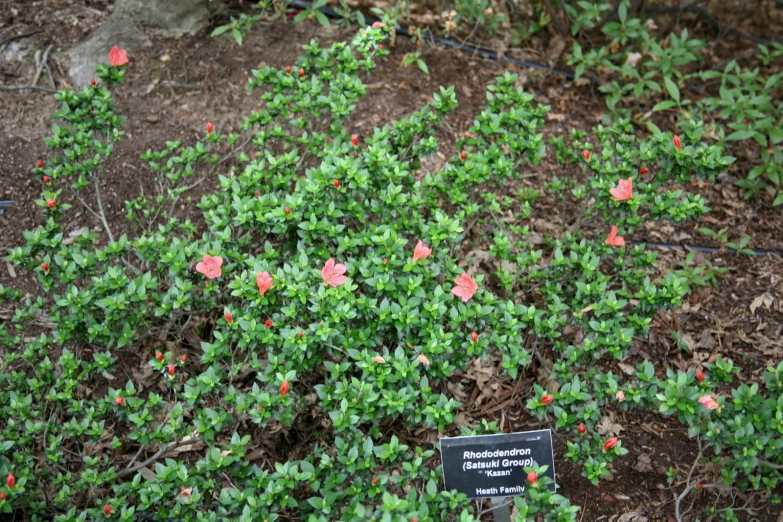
{"x": 102, "y": 215}
{"x": 9, "y": 39}
{"x": 26, "y": 88}
{"x": 180, "y": 85}
{"x": 41, "y": 64}
{"x": 162, "y": 451}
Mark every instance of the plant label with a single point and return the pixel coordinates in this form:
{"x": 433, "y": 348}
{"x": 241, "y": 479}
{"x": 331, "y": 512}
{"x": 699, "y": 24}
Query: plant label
{"x": 494, "y": 465}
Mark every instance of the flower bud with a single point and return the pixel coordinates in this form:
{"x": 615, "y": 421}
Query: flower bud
{"x": 228, "y": 317}
{"x": 532, "y": 477}
{"x": 2, "y": 495}
{"x": 698, "y": 486}
{"x": 159, "y": 356}
{"x": 107, "y": 507}
{"x": 677, "y": 142}
{"x": 610, "y": 443}
{"x": 644, "y": 171}
{"x": 10, "y": 480}
{"x": 288, "y": 70}
{"x": 93, "y": 83}
{"x": 45, "y": 267}
{"x": 268, "y": 323}
{"x": 547, "y": 399}
{"x": 47, "y": 179}
{"x": 287, "y": 211}
{"x": 301, "y": 73}
{"x": 284, "y": 388}
{"x": 52, "y": 204}
{"x": 119, "y": 401}
{"x": 184, "y": 359}
{"x": 378, "y": 25}
{"x": 474, "y": 337}
{"x": 39, "y": 164}
{"x": 586, "y": 155}
{"x": 374, "y": 480}
{"x": 355, "y": 140}
{"x": 463, "y": 155}
{"x": 699, "y": 375}
{"x": 171, "y": 369}
{"x": 582, "y": 430}
{"x": 336, "y": 183}
{"x": 620, "y": 395}
{"x": 300, "y": 334}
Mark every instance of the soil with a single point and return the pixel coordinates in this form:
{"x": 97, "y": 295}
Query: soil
{"x": 735, "y": 320}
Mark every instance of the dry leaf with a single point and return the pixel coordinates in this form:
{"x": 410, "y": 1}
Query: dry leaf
{"x": 627, "y": 368}
{"x": 148, "y": 474}
{"x": 643, "y": 463}
{"x": 11, "y": 270}
{"x": 608, "y": 427}
{"x": 633, "y": 516}
{"x": 764, "y": 299}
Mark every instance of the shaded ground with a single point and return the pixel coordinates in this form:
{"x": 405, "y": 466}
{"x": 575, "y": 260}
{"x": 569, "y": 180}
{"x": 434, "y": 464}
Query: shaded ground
{"x": 743, "y": 319}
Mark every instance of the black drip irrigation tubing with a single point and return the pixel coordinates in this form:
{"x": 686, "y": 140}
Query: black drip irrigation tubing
{"x": 301, "y": 4}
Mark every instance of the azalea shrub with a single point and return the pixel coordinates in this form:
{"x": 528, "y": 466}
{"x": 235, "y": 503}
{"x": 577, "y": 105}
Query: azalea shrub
{"x": 274, "y": 358}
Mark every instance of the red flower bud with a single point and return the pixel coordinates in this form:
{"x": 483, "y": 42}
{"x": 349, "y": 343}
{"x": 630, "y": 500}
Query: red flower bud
{"x": 228, "y": 317}
{"x": 586, "y": 155}
{"x": 378, "y": 25}
{"x": 582, "y": 429}
{"x": 47, "y": 179}
{"x": 547, "y": 399}
{"x": 354, "y": 140}
{"x": 474, "y": 337}
{"x": 374, "y": 480}
{"x": 287, "y": 211}
{"x": 260, "y": 408}
{"x": 45, "y": 267}
{"x": 159, "y": 356}
{"x": 2, "y": 496}
{"x": 39, "y": 164}
{"x": 677, "y": 142}
{"x": 93, "y": 83}
{"x": 184, "y": 359}
{"x": 336, "y": 183}
{"x": 119, "y": 401}
{"x": 284, "y": 388}
{"x": 301, "y": 73}
{"x": 644, "y": 171}
{"x": 414, "y": 519}
{"x": 171, "y": 369}
{"x": 209, "y": 127}
{"x": 52, "y": 204}
{"x": 610, "y": 443}
{"x": 107, "y": 507}
{"x": 268, "y": 323}
{"x": 698, "y": 486}
{"x": 699, "y": 375}
{"x": 10, "y": 480}
{"x": 532, "y": 477}
{"x": 463, "y": 156}
{"x": 385, "y": 261}
{"x": 288, "y": 70}
{"x": 300, "y": 334}
{"x": 381, "y": 47}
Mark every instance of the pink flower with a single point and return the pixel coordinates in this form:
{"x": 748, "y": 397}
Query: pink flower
{"x": 613, "y": 239}
{"x": 210, "y": 266}
{"x": 264, "y": 282}
{"x": 421, "y": 251}
{"x": 650, "y": 23}
{"x": 624, "y": 190}
{"x": 378, "y": 25}
{"x": 633, "y": 59}
{"x": 333, "y": 273}
{"x": 709, "y": 402}
{"x": 620, "y": 396}
{"x": 466, "y": 287}
{"x": 118, "y": 56}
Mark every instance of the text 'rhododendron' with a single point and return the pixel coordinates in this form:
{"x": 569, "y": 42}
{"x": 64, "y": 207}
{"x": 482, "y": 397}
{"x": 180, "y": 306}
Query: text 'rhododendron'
{"x": 118, "y": 56}
{"x": 466, "y": 287}
{"x": 613, "y": 239}
{"x": 421, "y": 251}
{"x": 332, "y": 273}
{"x": 623, "y": 191}
{"x": 264, "y": 282}
{"x": 210, "y": 266}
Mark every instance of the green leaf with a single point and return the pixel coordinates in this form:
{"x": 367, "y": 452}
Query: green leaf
{"x": 776, "y": 135}
{"x": 220, "y": 30}
{"x": 322, "y": 19}
{"x": 422, "y": 66}
{"x": 662, "y": 106}
{"x": 741, "y": 135}
{"x": 778, "y": 199}
{"x": 237, "y": 36}
{"x": 674, "y": 92}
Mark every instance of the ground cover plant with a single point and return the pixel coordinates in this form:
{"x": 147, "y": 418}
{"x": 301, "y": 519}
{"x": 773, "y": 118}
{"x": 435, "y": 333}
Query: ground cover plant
{"x": 323, "y": 293}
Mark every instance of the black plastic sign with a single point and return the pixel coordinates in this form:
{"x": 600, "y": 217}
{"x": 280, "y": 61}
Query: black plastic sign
{"x": 493, "y": 465}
